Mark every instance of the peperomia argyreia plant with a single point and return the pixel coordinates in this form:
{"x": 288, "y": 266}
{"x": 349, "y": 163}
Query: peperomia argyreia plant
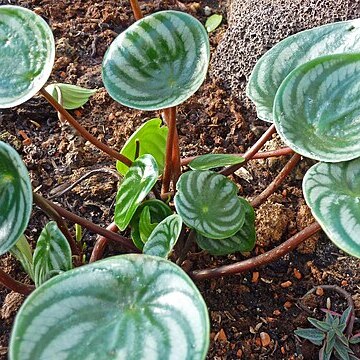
{"x": 143, "y": 306}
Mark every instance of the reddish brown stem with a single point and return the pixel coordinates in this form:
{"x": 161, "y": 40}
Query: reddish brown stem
{"x": 176, "y": 159}
{"x": 260, "y": 260}
{"x": 111, "y": 152}
{"x": 170, "y": 119}
{"x": 101, "y": 243}
{"x": 127, "y": 243}
{"x": 136, "y": 9}
{"x": 290, "y": 165}
{"x": 44, "y": 205}
{"x": 251, "y": 152}
{"x": 14, "y": 285}
{"x": 259, "y": 155}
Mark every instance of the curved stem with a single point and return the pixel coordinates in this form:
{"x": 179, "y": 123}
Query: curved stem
{"x": 53, "y": 214}
{"x": 260, "y": 155}
{"x": 290, "y": 165}
{"x": 189, "y": 241}
{"x": 14, "y": 285}
{"x": 101, "y": 243}
{"x": 111, "y": 152}
{"x": 251, "y": 152}
{"x": 127, "y": 243}
{"x": 259, "y": 260}
{"x": 136, "y": 9}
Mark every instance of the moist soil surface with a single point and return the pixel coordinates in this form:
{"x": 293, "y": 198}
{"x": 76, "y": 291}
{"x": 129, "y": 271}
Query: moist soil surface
{"x": 253, "y": 315}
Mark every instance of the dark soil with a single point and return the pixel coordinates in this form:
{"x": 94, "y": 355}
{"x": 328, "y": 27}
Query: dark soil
{"x": 253, "y": 315}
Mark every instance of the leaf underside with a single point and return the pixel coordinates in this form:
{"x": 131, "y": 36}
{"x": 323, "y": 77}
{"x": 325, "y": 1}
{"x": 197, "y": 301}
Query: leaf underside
{"x": 135, "y": 307}
{"x": 278, "y": 62}
{"x": 332, "y": 191}
{"x": 158, "y": 62}
{"x": 207, "y": 202}
{"x": 136, "y": 184}
{"x": 317, "y": 108}
{"x": 15, "y": 197}
{"x": 242, "y": 241}
{"x": 152, "y": 140}
{"x": 27, "y": 53}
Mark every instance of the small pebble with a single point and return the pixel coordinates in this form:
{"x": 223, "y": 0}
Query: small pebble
{"x": 286, "y": 284}
{"x": 207, "y": 11}
{"x": 297, "y": 274}
{"x": 265, "y": 339}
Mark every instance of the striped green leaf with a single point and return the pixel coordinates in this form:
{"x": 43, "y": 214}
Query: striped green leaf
{"x": 15, "y": 197}
{"x": 152, "y": 140}
{"x": 52, "y": 254}
{"x": 158, "y": 211}
{"x": 317, "y": 108}
{"x": 332, "y": 191}
{"x": 242, "y": 241}
{"x": 207, "y": 202}
{"x": 137, "y": 183}
{"x": 277, "y": 63}
{"x": 211, "y": 161}
{"x": 158, "y": 62}
{"x": 133, "y": 307}
{"x": 72, "y": 96}
{"x": 164, "y": 237}
{"x": 22, "y": 251}
{"x": 27, "y": 53}
{"x": 146, "y": 227}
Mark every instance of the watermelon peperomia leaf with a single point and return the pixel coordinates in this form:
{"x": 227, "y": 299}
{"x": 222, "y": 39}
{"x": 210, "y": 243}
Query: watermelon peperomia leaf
{"x": 52, "y": 254}
{"x": 158, "y": 62}
{"x": 27, "y": 53}
{"x": 164, "y": 237}
{"x": 207, "y": 202}
{"x": 211, "y": 161}
{"x": 136, "y": 184}
{"x": 317, "y": 108}
{"x": 273, "y": 67}
{"x": 22, "y": 251}
{"x": 15, "y": 197}
{"x": 243, "y": 241}
{"x": 332, "y": 191}
{"x": 132, "y": 307}
{"x": 152, "y": 140}
{"x": 72, "y": 96}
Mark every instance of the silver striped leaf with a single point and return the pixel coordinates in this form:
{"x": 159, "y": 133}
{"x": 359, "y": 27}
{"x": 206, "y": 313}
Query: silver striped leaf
{"x": 332, "y": 191}
{"x": 52, "y": 254}
{"x": 152, "y": 140}
{"x": 158, "y": 62}
{"x": 207, "y": 202}
{"x": 278, "y": 62}
{"x": 211, "y": 161}
{"x": 158, "y": 211}
{"x": 136, "y": 184}
{"x": 164, "y": 237}
{"x": 243, "y": 241}
{"x": 15, "y": 197}
{"x": 146, "y": 227}
{"x": 130, "y": 307}
{"x": 27, "y": 53}
{"x": 317, "y": 108}
{"x": 72, "y": 96}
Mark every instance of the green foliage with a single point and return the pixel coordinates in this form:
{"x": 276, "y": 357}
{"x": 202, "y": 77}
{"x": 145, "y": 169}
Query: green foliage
{"x": 158, "y": 62}
{"x": 164, "y": 237}
{"x": 242, "y": 241}
{"x": 136, "y": 184}
{"x": 52, "y": 254}
{"x": 152, "y": 140}
{"x": 316, "y": 109}
{"x": 15, "y": 197}
{"x": 22, "y": 251}
{"x": 72, "y": 96}
{"x": 27, "y": 53}
{"x": 270, "y": 71}
{"x": 126, "y": 307}
{"x": 207, "y": 202}
{"x": 330, "y": 335}
{"x": 157, "y": 210}
{"x": 332, "y": 191}
{"x": 210, "y": 161}
{"x": 213, "y": 22}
